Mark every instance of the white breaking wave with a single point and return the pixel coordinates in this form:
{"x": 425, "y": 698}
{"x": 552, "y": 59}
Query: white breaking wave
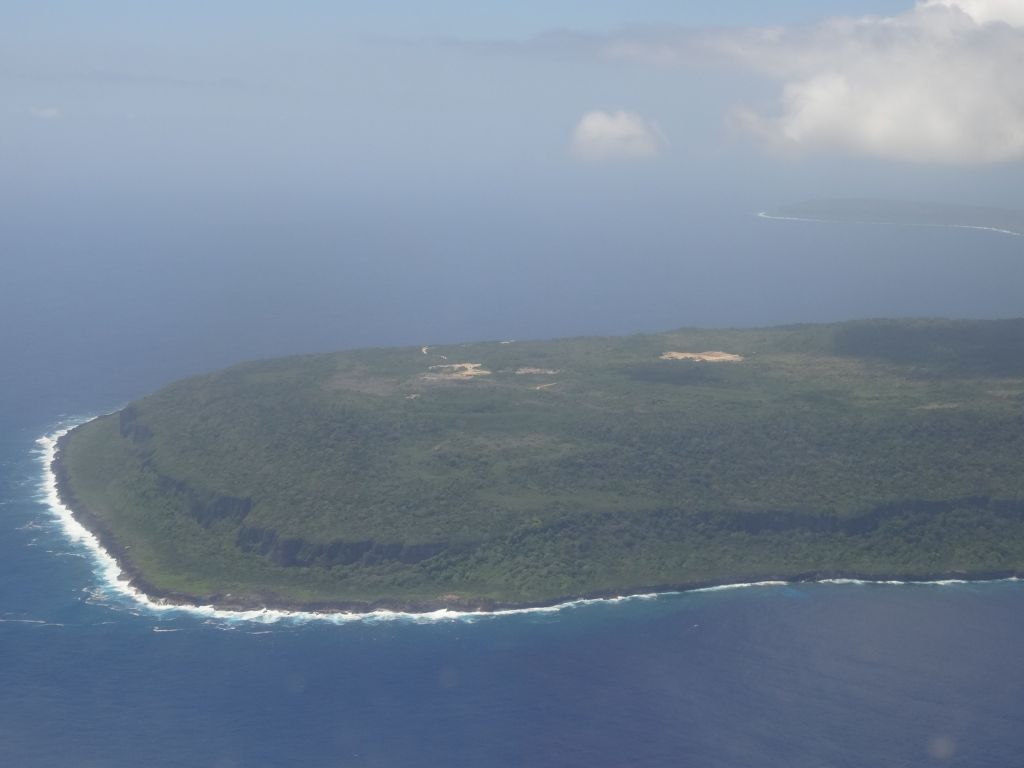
{"x": 766, "y": 215}
{"x": 725, "y": 587}
{"x": 114, "y": 583}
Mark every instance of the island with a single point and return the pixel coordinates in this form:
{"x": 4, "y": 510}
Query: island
{"x": 510, "y": 474}
{"x": 1004, "y": 221}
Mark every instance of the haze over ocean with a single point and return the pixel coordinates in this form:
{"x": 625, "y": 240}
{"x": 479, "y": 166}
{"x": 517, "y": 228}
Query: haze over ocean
{"x": 780, "y": 676}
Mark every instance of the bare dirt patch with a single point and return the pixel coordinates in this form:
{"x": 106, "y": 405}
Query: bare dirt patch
{"x": 455, "y": 372}
{"x": 704, "y": 357}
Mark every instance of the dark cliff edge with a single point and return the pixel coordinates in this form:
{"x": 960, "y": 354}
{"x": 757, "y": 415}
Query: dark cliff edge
{"x": 284, "y": 551}
{"x": 135, "y": 578}
{"x": 288, "y": 552}
{"x": 262, "y": 543}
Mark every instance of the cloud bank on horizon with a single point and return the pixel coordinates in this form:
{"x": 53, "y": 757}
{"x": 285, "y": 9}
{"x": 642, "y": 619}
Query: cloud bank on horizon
{"x": 940, "y": 83}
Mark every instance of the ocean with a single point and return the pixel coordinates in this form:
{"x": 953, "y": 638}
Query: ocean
{"x": 841, "y": 674}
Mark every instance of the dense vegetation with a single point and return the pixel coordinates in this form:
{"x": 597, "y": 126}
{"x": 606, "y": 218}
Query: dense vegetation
{"x": 578, "y": 466}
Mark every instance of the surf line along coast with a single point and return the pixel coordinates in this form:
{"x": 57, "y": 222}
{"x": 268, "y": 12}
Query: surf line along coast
{"x": 119, "y": 572}
{"x": 120, "y": 575}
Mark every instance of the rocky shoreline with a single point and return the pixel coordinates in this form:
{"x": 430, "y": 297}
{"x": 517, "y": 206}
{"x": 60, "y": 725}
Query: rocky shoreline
{"x": 457, "y": 603}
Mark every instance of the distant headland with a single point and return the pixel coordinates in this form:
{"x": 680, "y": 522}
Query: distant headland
{"x": 1003, "y": 221}
{"x": 500, "y": 475}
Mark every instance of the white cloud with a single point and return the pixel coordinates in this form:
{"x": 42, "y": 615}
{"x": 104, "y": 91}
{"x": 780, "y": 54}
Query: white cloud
{"x": 602, "y": 136}
{"x": 985, "y": 11}
{"x": 942, "y": 83}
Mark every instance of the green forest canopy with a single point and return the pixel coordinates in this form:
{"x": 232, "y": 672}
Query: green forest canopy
{"x": 526, "y": 472}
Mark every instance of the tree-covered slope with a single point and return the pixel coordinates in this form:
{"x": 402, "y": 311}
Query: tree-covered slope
{"x": 529, "y": 471}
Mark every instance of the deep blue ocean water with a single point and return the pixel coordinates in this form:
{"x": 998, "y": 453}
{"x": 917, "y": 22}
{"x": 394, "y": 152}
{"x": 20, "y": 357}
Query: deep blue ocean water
{"x": 787, "y": 676}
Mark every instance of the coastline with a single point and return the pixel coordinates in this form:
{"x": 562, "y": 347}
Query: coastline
{"x": 116, "y": 570}
{"x": 976, "y": 227}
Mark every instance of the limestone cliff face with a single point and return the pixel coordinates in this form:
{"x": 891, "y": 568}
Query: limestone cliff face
{"x": 206, "y": 508}
{"x": 130, "y": 427}
{"x": 210, "y": 508}
{"x": 293, "y": 551}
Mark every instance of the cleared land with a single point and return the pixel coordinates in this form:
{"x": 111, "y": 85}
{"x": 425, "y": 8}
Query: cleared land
{"x": 703, "y": 357}
{"x": 378, "y": 477}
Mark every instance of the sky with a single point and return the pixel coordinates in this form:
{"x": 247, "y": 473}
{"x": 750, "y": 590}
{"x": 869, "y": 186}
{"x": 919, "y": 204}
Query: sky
{"x": 337, "y": 96}
{"x": 243, "y": 163}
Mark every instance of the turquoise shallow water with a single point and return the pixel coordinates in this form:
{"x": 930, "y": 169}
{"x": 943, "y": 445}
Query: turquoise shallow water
{"x": 789, "y": 676}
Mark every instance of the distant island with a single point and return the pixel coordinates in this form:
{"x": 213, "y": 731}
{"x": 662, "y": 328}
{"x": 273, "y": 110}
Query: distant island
{"x": 871, "y": 211}
{"x": 501, "y": 474}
